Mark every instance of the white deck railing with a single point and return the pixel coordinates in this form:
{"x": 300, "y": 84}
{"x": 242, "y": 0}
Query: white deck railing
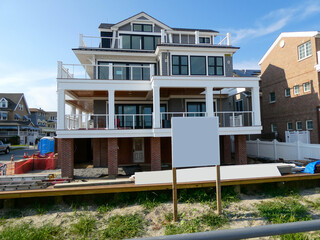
{"x": 133, "y": 121}
{"x": 107, "y": 71}
{"x": 145, "y": 121}
{"x": 99, "y": 42}
{"x": 86, "y": 121}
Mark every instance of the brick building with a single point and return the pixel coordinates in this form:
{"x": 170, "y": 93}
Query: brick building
{"x": 136, "y": 76}
{"x": 290, "y": 85}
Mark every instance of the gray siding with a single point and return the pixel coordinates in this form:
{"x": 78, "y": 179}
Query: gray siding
{"x": 191, "y": 39}
{"x": 175, "y": 38}
{"x": 157, "y": 28}
{"x": 228, "y": 66}
{"x": 126, "y": 27}
{"x": 165, "y": 64}
{"x": 184, "y": 39}
{"x": 99, "y": 107}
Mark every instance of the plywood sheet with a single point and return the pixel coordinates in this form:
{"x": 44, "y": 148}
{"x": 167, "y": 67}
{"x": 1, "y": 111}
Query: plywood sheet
{"x": 209, "y": 174}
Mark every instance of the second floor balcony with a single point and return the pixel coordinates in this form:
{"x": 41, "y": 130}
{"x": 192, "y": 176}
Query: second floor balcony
{"x": 106, "y": 71}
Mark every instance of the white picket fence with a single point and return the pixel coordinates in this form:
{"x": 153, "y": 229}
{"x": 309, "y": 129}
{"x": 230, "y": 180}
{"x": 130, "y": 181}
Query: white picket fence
{"x": 287, "y": 151}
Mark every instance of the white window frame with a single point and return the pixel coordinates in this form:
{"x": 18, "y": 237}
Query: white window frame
{"x": 3, "y": 100}
{"x": 297, "y": 125}
{"x": 274, "y": 125}
{"x": 307, "y": 124}
{"x": 270, "y": 97}
{"x": 285, "y": 92}
{"x": 304, "y": 87}
{"x": 304, "y": 50}
{"x": 289, "y": 129}
{"x": 294, "y": 89}
{"x": 1, "y": 117}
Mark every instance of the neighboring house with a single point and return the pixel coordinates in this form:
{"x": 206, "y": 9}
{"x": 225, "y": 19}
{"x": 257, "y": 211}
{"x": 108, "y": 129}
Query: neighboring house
{"x": 137, "y": 76}
{"x": 14, "y": 120}
{"x": 290, "y": 85}
{"x": 46, "y": 121}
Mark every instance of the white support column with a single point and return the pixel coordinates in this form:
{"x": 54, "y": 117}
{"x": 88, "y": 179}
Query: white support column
{"x": 59, "y": 72}
{"x": 151, "y": 70}
{"x": 196, "y": 35}
{"x": 163, "y": 33}
{"x": 110, "y": 71}
{"x": 114, "y": 33}
{"x": 111, "y": 108}
{"x": 156, "y": 107}
{"x": 61, "y": 110}
{"x": 209, "y": 102}
{"x": 170, "y": 38}
{"x": 80, "y": 118}
{"x": 255, "y": 99}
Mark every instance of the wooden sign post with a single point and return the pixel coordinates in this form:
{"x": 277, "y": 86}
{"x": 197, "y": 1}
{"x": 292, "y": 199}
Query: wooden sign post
{"x": 174, "y": 194}
{"x": 195, "y": 143}
{"x": 218, "y": 190}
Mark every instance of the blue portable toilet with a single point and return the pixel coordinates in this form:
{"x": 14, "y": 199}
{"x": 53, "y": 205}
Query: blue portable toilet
{"x": 46, "y": 145}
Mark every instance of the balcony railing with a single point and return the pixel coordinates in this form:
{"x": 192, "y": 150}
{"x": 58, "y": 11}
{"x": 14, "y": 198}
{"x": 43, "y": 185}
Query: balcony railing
{"x": 166, "y": 37}
{"x": 145, "y": 121}
{"x": 106, "y": 71}
{"x": 133, "y": 121}
{"x": 86, "y": 121}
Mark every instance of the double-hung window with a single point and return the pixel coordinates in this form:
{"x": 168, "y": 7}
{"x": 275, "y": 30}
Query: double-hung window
{"x": 306, "y": 87}
{"x": 299, "y": 125}
{"x": 274, "y": 128}
{"x": 272, "y": 97}
{"x": 215, "y": 66}
{"x": 179, "y": 65}
{"x": 309, "y": 125}
{"x": 304, "y": 50}
{"x": 289, "y": 126}
{"x": 296, "y": 89}
{"x": 287, "y": 92}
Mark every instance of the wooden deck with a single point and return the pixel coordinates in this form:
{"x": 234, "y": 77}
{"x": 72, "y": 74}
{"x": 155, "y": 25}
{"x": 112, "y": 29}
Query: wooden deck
{"x": 131, "y": 187}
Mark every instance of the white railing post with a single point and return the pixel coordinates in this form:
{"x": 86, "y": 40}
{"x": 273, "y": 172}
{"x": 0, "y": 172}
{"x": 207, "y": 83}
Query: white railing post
{"x": 209, "y": 101}
{"x": 163, "y": 36}
{"x": 233, "y": 120}
{"x": 298, "y": 150}
{"x": 110, "y": 71}
{"x": 80, "y": 40}
{"x": 61, "y": 110}
{"x": 111, "y": 108}
{"x": 196, "y": 35}
{"x": 86, "y": 121}
{"x": 156, "y": 107}
{"x": 151, "y": 70}
{"x": 59, "y": 72}
{"x": 256, "y": 106}
{"x": 275, "y": 151}
{"x": 133, "y": 122}
{"x": 228, "y": 39}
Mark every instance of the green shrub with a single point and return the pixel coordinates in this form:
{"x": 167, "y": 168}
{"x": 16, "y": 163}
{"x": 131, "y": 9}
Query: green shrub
{"x": 213, "y": 221}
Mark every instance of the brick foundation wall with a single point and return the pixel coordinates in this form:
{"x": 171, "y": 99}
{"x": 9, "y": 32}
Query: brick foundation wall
{"x": 112, "y": 157}
{"x": 240, "y": 145}
{"x": 104, "y": 152}
{"x": 96, "y": 151}
{"x": 155, "y": 145}
{"x": 225, "y": 150}
{"x": 66, "y": 156}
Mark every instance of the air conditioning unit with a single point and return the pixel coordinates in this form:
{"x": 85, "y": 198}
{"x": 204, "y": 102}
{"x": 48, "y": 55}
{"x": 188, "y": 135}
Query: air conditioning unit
{"x": 236, "y": 121}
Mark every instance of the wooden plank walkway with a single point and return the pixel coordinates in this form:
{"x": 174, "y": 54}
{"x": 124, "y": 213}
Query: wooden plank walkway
{"x": 131, "y": 187}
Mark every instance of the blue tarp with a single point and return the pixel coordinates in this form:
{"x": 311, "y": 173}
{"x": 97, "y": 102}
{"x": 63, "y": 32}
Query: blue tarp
{"x": 46, "y": 145}
{"x": 311, "y": 167}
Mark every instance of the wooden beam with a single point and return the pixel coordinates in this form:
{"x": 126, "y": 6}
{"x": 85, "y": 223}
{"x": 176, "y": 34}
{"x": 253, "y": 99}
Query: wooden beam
{"x": 131, "y": 187}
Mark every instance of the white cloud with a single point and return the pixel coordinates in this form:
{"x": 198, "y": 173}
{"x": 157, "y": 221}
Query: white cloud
{"x": 276, "y": 20}
{"x": 39, "y": 86}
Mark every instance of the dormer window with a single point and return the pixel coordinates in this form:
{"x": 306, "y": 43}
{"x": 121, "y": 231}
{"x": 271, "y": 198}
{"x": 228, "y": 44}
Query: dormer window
{"x": 3, "y": 103}
{"x": 142, "y": 27}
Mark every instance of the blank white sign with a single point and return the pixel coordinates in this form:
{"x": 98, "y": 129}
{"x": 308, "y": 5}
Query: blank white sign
{"x": 195, "y": 142}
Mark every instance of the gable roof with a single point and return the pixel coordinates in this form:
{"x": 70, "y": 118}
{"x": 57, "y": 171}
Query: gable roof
{"x": 289, "y": 34}
{"x": 144, "y": 16}
{"x": 13, "y": 100}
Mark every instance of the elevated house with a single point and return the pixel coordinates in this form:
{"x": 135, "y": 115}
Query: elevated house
{"x": 136, "y": 76}
{"x": 14, "y": 120}
{"x": 290, "y": 85}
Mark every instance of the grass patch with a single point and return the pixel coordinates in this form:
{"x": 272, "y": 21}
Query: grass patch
{"x": 282, "y": 191}
{"x": 28, "y": 231}
{"x": 84, "y": 226}
{"x": 315, "y": 204}
{"x": 126, "y": 226}
{"x": 213, "y": 221}
{"x": 295, "y": 236}
{"x": 184, "y": 226}
{"x": 150, "y": 200}
{"x": 283, "y": 210}
{"x": 103, "y": 209}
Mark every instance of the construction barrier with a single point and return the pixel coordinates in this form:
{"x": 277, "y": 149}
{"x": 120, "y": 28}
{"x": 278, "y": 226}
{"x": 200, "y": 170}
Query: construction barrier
{"x": 35, "y": 162}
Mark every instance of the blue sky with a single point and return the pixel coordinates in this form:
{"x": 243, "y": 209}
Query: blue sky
{"x": 35, "y": 34}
